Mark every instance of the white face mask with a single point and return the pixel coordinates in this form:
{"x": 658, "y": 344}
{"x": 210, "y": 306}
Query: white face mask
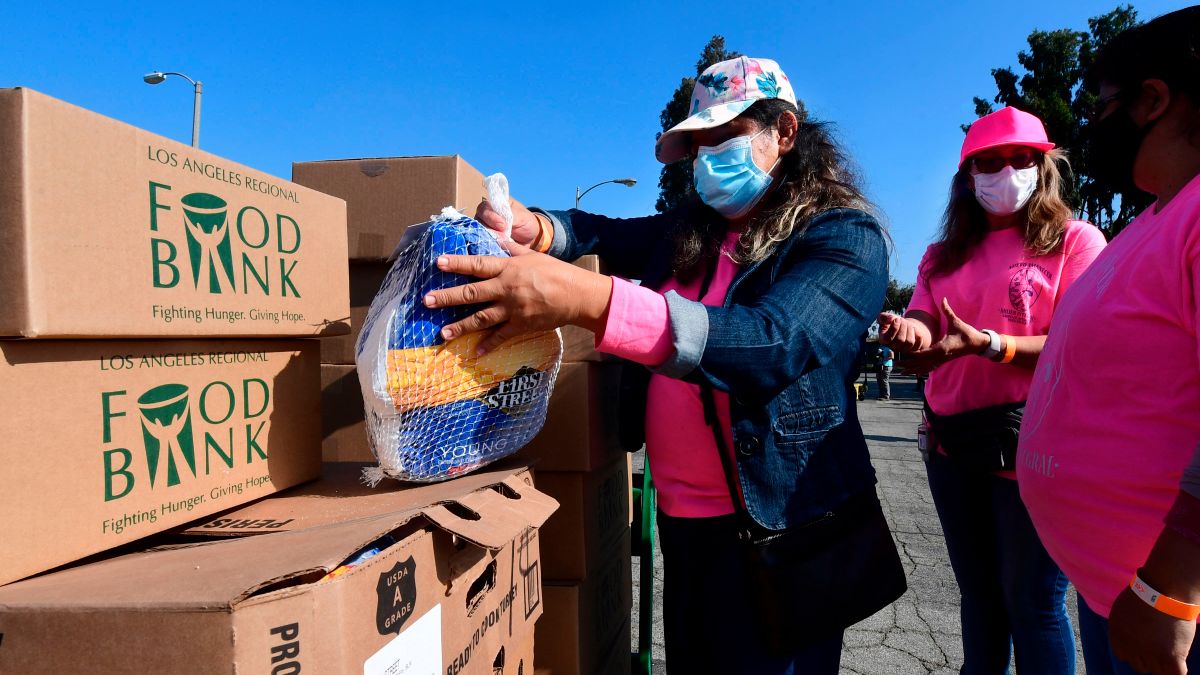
{"x": 1007, "y": 191}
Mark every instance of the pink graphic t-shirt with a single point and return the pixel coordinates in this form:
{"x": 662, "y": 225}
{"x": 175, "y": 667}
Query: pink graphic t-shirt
{"x": 1114, "y": 414}
{"x": 683, "y": 454}
{"x": 1003, "y": 288}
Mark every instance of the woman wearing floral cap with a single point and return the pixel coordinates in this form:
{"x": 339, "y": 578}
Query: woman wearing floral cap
{"x": 754, "y": 301}
{"x": 1109, "y": 461}
{"x": 985, "y": 296}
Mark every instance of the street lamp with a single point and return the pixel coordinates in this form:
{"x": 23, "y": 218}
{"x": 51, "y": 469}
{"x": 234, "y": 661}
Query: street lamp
{"x": 628, "y": 182}
{"x": 157, "y": 77}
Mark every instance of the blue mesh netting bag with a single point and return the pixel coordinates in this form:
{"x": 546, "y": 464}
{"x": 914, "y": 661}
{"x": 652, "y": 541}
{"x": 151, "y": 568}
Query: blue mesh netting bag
{"x": 434, "y": 409}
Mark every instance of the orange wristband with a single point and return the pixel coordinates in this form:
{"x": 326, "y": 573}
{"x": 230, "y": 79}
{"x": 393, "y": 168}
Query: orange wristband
{"x": 545, "y": 234}
{"x": 1010, "y": 349}
{"x": 1169, "y": 606}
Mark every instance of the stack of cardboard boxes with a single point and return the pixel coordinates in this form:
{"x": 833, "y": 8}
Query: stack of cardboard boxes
{"x": 577, "y": 459}
{"x": 161, "y": 291}
{"x": 156, "y": 298}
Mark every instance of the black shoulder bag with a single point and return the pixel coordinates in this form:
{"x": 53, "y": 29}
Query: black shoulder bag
{"x": 813, "y": 581}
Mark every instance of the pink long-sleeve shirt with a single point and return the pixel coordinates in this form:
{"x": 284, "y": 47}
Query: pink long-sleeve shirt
{"x": 683, "y": 454}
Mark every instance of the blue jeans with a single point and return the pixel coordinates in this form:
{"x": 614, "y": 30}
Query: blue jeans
{"x": 1011, "y": 592}
{"x": 1097, "y": 652}
{"x": 709, "y": 622}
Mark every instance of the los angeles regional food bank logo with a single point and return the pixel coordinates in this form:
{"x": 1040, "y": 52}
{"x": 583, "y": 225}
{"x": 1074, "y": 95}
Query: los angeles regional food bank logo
{"x": 167, "y": 430}
{"x": 206, "y": 220}
{"x": 225, "y": 250}
{"x": 227, "y": 418}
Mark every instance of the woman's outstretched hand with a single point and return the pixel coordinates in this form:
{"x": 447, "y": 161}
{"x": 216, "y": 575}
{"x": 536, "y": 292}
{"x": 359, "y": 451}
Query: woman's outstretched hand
{"x": 900, "y": 333}
{"x": 525, "y": 225}
{"x": 961, "y": 339}
{"x": 524, "y": 293}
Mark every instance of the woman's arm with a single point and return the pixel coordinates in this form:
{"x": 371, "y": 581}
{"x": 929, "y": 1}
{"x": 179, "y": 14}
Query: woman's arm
{"x": 626, "y": 245}
{"x": 907, "y": 335}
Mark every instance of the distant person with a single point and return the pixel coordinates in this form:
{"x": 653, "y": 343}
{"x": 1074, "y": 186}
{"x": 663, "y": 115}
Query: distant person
{"x": 985, "y": 293}
{"x": 755, "y": 300}
{"x": 883, "y": 372}
{"x": 1109, "y": 463}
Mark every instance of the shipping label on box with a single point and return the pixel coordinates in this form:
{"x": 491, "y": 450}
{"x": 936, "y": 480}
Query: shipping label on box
{"x": 107, "y": 230}
{"x": 445, "y": 594}
{"x": 593, "y": 512}
{"x": 105, "y": 442}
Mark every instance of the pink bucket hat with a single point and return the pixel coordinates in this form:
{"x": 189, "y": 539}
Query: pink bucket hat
{"x": 722, "y": 92}
{"x": 1007, "y": 126}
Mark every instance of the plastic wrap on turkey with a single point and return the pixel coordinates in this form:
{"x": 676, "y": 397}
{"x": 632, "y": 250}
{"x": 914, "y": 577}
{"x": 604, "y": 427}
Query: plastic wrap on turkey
{"x": 434, "y": 408}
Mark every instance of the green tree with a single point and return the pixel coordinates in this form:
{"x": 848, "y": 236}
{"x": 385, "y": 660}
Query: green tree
{"x": 1051, "y": 87}
{"x": 897, "y": 297}
{"x": 675, "y": 180}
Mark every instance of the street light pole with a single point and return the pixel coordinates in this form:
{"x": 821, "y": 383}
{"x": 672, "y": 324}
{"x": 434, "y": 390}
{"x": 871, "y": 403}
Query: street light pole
{"x": 628, "y": 182}
{"x": 196, "y": 116}
{"x": 157, "y": 77}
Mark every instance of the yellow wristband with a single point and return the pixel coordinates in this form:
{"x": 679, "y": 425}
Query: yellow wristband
{"x": 1169, "y": 606}
{"x": 1010, "y": 349}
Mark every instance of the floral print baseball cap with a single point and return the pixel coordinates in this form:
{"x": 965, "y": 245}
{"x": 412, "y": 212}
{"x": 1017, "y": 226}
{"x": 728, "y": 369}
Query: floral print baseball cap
{"x": 724, "y": 91}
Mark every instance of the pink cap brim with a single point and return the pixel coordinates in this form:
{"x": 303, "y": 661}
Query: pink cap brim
{"x": 1042, "y": 146}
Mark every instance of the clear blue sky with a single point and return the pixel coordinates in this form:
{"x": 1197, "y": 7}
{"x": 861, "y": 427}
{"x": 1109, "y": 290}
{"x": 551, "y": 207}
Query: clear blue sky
{"x": 554, "y": 95}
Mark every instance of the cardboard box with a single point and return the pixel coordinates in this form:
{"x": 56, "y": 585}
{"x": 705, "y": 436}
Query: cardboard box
{"x": 584, "y": 621}
{"x": 518, "y": 661}
{"x": 107, "y": 442}
{"x": 343, "y": 425}
{"x": 593, "y": 512}
{"x": 453, "y": 595}
{"x": 365, "y": 280}
{"x": 340, "y": 496}
{"x": 580, "y": 433}
{"x": 385, "y": 195}
{"x": 620, "y": 657}
{"x": 107, "y": 230}
{"x": 619, "y": 661}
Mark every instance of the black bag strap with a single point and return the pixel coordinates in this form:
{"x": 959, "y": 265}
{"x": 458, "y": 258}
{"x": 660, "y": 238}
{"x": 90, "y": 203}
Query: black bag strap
{"x": 710, "y": 414}
{"x": 714, "y": 423}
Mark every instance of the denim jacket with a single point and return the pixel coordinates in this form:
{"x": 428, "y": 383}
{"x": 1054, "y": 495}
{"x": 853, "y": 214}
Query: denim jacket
{"x": 784, "y": 344}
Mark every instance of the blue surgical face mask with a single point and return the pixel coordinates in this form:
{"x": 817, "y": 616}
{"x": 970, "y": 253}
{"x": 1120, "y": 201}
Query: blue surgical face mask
{"x": 727, "y": 178}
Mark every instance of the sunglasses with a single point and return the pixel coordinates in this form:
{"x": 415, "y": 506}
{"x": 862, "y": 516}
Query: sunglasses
{"x": 991, "y": 164}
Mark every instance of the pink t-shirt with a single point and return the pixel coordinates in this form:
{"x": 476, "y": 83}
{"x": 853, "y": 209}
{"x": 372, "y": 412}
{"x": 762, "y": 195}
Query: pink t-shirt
{"x": 683, "y": 455}
{"x": 1114, "y": 414}
{"x": 1003, "y": 288}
